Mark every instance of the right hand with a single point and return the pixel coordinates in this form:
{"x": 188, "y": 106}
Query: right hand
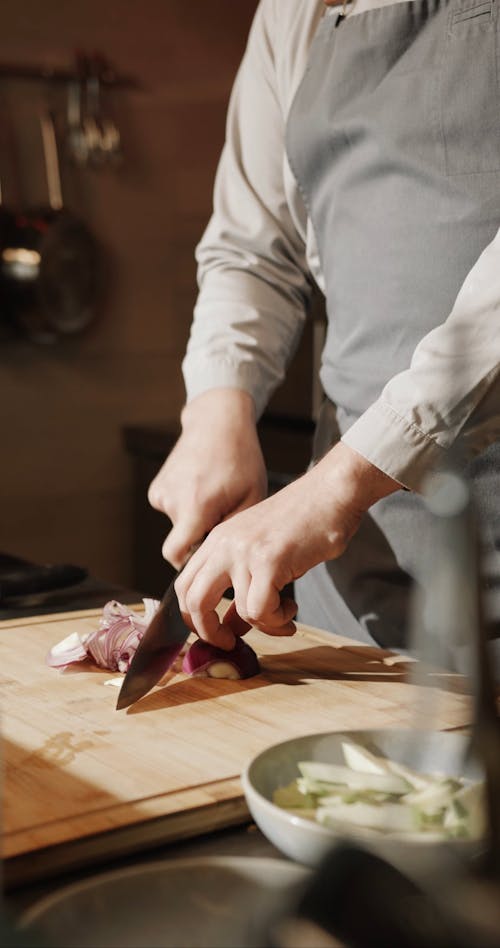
{"x": 215, "y": 469}
{"x": 263, "y": 549}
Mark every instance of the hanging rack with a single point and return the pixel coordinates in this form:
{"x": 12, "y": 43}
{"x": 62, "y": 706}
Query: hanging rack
{"x": 41, "y": 72}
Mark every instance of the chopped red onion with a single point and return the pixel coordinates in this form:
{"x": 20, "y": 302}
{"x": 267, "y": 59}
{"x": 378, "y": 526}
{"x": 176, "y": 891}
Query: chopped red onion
{"x": 206, "y": 661}
{"x": 113, "y": 644}
{"x": 71, "y": 649}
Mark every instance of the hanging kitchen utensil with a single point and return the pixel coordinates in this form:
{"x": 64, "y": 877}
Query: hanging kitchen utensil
{"x": 76, "y": 142}
{"x": 18, "y": 264}
{"x": 92, "y": 120}
{"x": 70, "y": 260}
{"x": 92, "y": 138}
{"x": 101, "y": 132}
{"x": 52, "y": 265}
{"x": 6, "y": 224}
{"x": 6, "y": 228}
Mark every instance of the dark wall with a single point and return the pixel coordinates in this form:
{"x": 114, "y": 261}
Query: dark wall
{"x": 65, "y": 479}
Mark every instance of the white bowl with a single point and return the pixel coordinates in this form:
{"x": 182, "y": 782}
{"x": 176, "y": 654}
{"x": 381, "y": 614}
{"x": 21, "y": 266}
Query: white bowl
{"x": 308, "y": 842}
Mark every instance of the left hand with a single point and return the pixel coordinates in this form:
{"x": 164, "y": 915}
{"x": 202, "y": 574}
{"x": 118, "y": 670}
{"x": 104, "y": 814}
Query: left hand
{"x": 261, "y": 549}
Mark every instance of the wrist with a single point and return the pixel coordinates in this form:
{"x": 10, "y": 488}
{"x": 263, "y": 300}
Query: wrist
{"x": 224, "y": 405}
{"x": 357, "y": 483}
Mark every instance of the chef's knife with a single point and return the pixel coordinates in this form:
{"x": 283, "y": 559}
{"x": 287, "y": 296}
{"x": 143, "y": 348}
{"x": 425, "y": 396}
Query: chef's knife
{"x": 157, "y": 650}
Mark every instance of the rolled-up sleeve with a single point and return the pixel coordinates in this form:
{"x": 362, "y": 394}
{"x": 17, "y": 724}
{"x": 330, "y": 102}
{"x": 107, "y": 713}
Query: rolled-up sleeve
{"x": 254, "y": 275}
{"x": 451, "y": 389}
{"x": 254, "y": 282}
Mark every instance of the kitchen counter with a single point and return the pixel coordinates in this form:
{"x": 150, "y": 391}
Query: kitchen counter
{"x": 89, "y": 789}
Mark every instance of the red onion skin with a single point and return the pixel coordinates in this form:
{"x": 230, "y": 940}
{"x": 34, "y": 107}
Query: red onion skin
{"x": 76, "y": 652}
{"x": 201, "y": 655}
{"x": 113, "y": 644}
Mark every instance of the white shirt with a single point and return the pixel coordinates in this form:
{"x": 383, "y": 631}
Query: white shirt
{"x": 257, "y": 256}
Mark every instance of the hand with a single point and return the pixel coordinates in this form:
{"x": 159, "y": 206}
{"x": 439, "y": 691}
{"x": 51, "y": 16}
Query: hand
{"x": 215, "y": 469}
{"x": 274, "y": 542}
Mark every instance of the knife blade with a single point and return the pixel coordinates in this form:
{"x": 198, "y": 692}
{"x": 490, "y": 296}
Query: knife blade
{"x": 157, "y": 650}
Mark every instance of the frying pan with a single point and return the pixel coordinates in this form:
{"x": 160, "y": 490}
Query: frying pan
{"x": 50, "y": 261}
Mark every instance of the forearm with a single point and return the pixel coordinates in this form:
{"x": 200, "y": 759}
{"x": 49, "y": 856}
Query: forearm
{"x": 243, "y": 335}
{"x": 215, "y": 469}
{"x": 227, "y": 407}
{"x": 422, "y": 411}
{"x": 253, "y": 277}
{"x": 344, "y": 486}
{"x": 353, "y": 481}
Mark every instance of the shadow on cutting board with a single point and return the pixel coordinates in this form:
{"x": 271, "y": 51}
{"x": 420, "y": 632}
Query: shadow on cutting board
{"x": 323, "y": 663}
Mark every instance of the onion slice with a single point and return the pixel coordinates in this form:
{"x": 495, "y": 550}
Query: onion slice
{"x": 206, "y": 661}
{"x": 113, "y": 644}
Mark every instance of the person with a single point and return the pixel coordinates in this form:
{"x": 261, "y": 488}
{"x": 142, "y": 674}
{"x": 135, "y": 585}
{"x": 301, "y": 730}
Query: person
{"x": 362, "y": 154}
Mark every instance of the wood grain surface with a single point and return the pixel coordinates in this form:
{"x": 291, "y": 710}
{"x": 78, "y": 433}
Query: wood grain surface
{"x": 83, "y": 781}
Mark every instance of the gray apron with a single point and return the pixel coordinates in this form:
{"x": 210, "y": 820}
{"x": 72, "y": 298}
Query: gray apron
{"x": 394, "y": 139}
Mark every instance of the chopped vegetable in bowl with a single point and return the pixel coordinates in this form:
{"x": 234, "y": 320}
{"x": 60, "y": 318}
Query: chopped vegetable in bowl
{"x": 379, "y": 795}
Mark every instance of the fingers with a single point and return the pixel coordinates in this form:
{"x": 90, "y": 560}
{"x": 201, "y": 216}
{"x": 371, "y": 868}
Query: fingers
{"x": 155, "y": 496}
{"x": 192, "y": 514}
{"x": 211, "y": 629}
{"x": 279, "y": 621}
{"x": 265, "y": 604}
{"x": 256, "y": 601}
{"x": 259, "y": 602}
{"x": 198, "y": 601}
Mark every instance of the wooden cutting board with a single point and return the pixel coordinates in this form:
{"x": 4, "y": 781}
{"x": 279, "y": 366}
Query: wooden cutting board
{"x": 84, "y": 782}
